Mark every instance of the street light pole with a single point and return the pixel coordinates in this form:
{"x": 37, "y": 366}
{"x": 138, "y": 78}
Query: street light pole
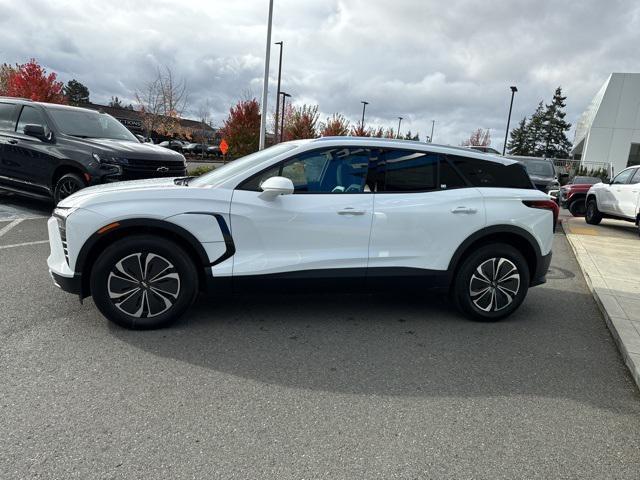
{"x": 506, "y": 134}
{"x": 265, "y": 85}
{"x": 284, "y": 98}
{"x": 433, "y": 124}
{"x": 399, "y": 122}
{"x": 364, "y": 106}
{"x": 278, "y": 95}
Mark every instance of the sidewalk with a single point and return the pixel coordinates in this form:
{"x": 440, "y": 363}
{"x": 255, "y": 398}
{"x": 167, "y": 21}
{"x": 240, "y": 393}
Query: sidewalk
{"x": 609, "y": 256}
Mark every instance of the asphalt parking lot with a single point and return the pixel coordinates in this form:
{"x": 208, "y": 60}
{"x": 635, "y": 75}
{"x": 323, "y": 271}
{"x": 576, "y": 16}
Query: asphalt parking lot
{"x": 351, "y": 386}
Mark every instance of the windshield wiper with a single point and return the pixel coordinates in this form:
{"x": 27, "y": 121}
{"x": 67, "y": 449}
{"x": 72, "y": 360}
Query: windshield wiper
{"x": 183, "y": 180}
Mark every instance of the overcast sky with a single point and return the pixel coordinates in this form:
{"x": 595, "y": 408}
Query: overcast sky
{"x": 449, "y": 61}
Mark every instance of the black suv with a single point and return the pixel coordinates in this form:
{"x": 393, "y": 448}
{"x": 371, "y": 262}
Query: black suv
{"x": 50, "y": 151}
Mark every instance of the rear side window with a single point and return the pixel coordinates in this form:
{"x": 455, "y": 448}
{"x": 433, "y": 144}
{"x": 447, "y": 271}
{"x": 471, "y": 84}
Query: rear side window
{"x": 408, "y": 171}
{"x": 484, "y": 173}
{"x": 7, "y": 116}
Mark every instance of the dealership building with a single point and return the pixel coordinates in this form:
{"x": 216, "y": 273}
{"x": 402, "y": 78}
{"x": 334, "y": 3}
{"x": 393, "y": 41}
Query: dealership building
{"x": 608, "y": 132}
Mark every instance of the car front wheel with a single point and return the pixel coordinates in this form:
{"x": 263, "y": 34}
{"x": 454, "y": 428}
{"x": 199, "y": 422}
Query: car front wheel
{"x": 592, "y": 215}
{"x": 67, "y": 184}
{"x": 143, "y": 282}
{"x": 491, "y": 283}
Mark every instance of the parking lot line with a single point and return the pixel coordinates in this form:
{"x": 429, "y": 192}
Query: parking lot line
{"x": 25, "y": 244}
{"x": 6, "y": 228}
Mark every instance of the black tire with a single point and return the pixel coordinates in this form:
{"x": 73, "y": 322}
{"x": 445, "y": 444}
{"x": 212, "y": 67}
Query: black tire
{"x": 144, "y": 306}
{"x": 577, "y": 207}
{"x": 66, "y": 185}
{"x": 592, "y": 216}
{"x": 500, "y": 298}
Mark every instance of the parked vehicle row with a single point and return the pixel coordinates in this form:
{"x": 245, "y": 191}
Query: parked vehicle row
{"x": 335, "y": 213}
{"x": 51, "y": 151}
{"x": 573, "y": 195}
{"x": 188, "y": 148}
{"x": 619, "y": 199}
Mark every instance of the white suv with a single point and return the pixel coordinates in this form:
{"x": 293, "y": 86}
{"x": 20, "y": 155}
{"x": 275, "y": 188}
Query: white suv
{"x": 619, "y": 199}
{"x": 340, "y": 213}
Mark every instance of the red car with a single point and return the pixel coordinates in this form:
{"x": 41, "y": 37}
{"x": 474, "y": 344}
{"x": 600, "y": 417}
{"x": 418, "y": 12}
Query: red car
{"x": 572, "y": 195}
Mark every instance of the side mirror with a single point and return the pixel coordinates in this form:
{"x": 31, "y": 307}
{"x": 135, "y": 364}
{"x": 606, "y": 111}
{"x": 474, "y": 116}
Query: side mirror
{"x": 35, "y": 131}
{"x": 274, "y": 186}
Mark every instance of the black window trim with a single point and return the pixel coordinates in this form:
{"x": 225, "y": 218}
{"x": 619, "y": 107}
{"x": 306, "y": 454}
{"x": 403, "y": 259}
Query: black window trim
{"x": 16, "y": 107}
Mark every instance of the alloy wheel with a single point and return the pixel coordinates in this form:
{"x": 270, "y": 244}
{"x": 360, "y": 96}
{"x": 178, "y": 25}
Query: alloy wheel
{"x": 143, "y": 285}
{"x": 494, "y": 284}
{"x": 67, "y": 187}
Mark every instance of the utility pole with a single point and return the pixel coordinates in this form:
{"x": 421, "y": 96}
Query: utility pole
{"x": 265, "y": 86}
{"x": 433, "y": 124}
{"x": 399, "y": 122}
{"x": 284, "y": 98}
{"x": 278, "y": 95}
{"x": 364, "y": 106}
{"x": 506, "y": 134}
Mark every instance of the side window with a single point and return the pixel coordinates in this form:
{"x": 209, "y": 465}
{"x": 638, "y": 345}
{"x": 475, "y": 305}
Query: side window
{"x": 486, "y": 173}
{"x": 636, "y": 177}
{"x": 7, "y": 116}
{"x": 327, "y": 170}
{"x": 408, "y": 171}
{"x": 623, "y": 177}
{"x": 449, "y": 178}
{"x": 30, "y": 116}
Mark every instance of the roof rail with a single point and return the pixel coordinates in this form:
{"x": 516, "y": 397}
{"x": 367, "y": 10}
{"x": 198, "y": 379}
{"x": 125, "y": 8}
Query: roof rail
{"x": 16, "y": 98}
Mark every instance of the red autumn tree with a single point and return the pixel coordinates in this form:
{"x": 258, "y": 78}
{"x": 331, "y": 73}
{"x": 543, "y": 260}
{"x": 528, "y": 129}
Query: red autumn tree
{"x": 336, "y": 126}
{"x": 241, "y": 129}
{"x": 360, "y": 131}
{"x": 478, "y": 137}
{"x": 31, "y": 81}
{"x": 301, "y": 122}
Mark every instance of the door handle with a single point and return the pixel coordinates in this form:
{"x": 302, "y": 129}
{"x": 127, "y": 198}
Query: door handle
{"x": 350, "y": 211}
{"x": 466, "y": 210}
{"x": 12, "y": 141}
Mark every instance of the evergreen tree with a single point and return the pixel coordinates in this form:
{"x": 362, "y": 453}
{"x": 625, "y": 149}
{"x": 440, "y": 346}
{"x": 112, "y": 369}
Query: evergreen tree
{"x": 76, "y": 92}
{"x": 556, "y": 143}
{"x": 409, "y": 136}
{"x": 534, "y": 139}
{"x": 518, "y": 144}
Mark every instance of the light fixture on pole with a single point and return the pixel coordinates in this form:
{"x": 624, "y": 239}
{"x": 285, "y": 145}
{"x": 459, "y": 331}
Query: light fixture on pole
{"x": 506, "y": 134}
{"x": 364, "y": 106}
{"x": 265, "y": 85}
{"x": 284, "y": 98}
{"x": 399, "y": 122}
{"x": 278, "y": 94}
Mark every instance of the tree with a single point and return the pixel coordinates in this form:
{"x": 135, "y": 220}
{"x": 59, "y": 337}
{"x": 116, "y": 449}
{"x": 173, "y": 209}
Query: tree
{"x": 162, "y": 101}
{"x": 31, "y": 81}
{"x": 535, "y": 131}
{"x": 336, "y": 126}
{"x": 241, "y": 129}
{"x": 378, "y": 132}
{"x": 115, "y": 103}
{"x": 416, "y": 137}
{"x": 301, "y": 122}
{"x": 479, "y": 137}
{"x": 76, "y": 92}
{"x": 556, "y": 143}
{"x": 359, "y": 131}
{"x": 518, "y": 144}
{"x": 5, "y": 71}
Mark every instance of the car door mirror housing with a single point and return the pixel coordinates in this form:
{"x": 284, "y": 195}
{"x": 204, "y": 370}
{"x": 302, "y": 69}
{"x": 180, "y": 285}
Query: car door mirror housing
{"x": 275, "y": 186}
{"x": 36, "y": 131}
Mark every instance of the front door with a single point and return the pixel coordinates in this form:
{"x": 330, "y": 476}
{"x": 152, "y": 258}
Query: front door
{"x": 320, "y": 231}
{"x": 613, "y": 194}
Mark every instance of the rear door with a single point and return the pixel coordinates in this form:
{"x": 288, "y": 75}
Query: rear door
{"x": 322, "y": 229}
{"x": 423, "y": 210}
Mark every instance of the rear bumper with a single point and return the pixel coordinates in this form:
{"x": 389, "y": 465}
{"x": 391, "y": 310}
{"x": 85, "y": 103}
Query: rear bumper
{"x": 542, "y": 267}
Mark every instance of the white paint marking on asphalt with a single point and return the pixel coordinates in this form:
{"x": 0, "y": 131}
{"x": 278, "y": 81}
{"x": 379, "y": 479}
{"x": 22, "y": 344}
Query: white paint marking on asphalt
{"x": 6, "y": 228}
{"x": 39, "y": 242}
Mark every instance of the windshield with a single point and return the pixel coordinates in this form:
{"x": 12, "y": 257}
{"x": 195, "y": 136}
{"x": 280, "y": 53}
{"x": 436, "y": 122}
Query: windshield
{"x": 541, "y": 169}
{"x": 229, "y": 170}
{"x": 89, "y": 124}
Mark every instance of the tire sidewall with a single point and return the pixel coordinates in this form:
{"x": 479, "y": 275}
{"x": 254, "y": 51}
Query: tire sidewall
{"x": 146, "y": 244}
{"x": 592, "y": 214}
{"x": 469, "y": 265}
{"x": 56, "y": 191}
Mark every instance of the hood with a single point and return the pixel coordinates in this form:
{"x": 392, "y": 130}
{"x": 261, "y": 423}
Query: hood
{"x": 124, "y": 148}
{"x": 542, "y": 178}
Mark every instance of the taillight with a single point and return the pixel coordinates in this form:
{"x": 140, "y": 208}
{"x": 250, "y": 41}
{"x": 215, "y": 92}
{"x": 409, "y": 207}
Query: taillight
{"x": 545, "y": 205}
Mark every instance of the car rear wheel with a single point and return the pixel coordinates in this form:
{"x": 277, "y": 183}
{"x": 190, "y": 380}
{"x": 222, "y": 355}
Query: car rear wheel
{"x": 592, "y": 215}
{"x": 68, "y": 184}
{"x": 491, "y": 283}
{"x": 143, "y": 282}
{"x": 577, "y": 208}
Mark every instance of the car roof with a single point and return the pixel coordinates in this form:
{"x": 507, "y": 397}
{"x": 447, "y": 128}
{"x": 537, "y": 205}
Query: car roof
{"x": 26, "y": 101}
{"x": 410, "y": 144}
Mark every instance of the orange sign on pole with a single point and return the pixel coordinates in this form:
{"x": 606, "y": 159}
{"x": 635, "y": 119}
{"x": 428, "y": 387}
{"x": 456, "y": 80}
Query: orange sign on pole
{"x": 224, "y": 146}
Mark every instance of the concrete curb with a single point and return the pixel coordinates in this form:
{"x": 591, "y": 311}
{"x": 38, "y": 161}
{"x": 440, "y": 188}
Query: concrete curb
{"x": 623, "y": 331}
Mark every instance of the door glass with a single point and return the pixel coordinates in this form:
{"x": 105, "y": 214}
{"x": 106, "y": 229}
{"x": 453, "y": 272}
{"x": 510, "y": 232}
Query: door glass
{"x": 623, "y": 177}
{"x": 409, "y": 171}
{"x": 30, "y": 116}
{"x": 449, "y": 178}
{"x": 636, "y": 177}
{"x": 7, "y": 119}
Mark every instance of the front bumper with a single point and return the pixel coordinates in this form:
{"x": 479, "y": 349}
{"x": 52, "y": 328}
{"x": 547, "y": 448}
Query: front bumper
{"x": 68, "y": 284}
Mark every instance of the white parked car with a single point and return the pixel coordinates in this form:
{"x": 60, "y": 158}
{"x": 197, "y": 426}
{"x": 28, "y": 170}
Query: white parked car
{"x": 335, "y": 213}
{"x": 619, "y": 199}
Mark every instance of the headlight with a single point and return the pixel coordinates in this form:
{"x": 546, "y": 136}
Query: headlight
{"x": 102, "y": 158}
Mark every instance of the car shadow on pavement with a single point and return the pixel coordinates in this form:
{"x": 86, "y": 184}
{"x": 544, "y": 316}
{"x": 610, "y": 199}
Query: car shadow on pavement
{"x": 402, "y": 346}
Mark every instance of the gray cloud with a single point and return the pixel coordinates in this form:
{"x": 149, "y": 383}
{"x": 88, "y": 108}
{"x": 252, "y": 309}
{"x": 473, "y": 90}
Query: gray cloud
{"x": 420, "y": 59}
